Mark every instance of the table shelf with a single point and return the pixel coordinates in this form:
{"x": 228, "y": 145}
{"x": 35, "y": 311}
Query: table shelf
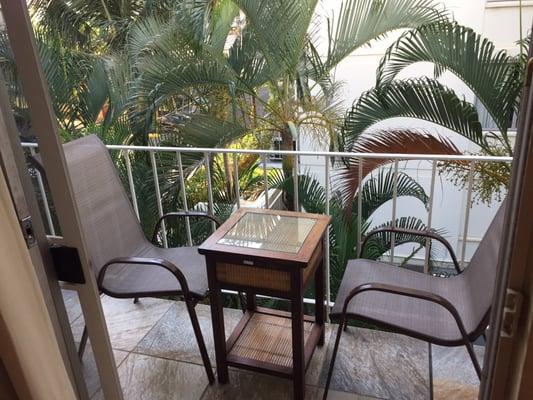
{"x": 262, "y": 341}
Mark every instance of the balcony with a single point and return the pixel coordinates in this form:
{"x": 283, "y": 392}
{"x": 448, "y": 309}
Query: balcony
{"x": 157, "y": 358}
{"x": 154, "y": 344}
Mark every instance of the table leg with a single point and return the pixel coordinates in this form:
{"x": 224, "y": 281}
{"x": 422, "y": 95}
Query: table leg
{"x": 217, "y": 317}
{"x": 250, "y": 301}
{"x": 320, "y": 309}
{"x": 297, "y": 311}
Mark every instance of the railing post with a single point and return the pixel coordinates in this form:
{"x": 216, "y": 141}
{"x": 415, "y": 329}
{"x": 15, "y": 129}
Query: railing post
{"x": 236, "y": 180}
{"x": 295, "y": 184}
{"x": 209, "y": 187}
{"x": 467, "y": 211}
{"x": 265, "y": 180}
{"x": 394, "y": 201}
{"x": 126, "y": 155}
{"x": 430, "y": 215}
{"x": 184, "y": 198}
{"x": 360, "y": 207}
{"x": 158, "y": 197}
{"x": 326, "y": 244}
{"x": 46, "y": 205}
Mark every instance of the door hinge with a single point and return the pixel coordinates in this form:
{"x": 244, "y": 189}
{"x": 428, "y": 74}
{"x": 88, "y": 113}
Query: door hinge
{"x": 511, "y": 313}
{"x": 27, "y": 231}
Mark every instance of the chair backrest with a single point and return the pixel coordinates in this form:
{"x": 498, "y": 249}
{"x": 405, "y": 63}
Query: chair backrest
{"x": 107, "y": 218}
{"x": 480, "y": 275}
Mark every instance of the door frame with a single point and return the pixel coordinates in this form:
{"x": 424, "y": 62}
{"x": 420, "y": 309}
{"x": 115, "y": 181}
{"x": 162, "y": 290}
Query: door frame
{"x": 507, "y": 354}
{"x": 21, "y": 38}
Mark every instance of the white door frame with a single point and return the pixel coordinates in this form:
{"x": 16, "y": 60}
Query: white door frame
{"x": 42, "y": 115}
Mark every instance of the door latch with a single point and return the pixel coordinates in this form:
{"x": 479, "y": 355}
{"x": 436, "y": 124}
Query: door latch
{"x": 28, "y": 232}
{"x": 511, "y": 312}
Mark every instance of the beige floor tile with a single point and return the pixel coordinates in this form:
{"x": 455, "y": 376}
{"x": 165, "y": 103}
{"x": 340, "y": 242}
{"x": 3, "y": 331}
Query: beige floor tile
{"x": 127, "y": 323}
{"x": 150, "y": 378}
{"x": 89, "y": 370}
{"x": 251, "y": 386}
{"x": 72, "y": 304}
{"x": 173, "y": 336}
{"x": 379, "y": 364}
{"x": 335, "y": 395}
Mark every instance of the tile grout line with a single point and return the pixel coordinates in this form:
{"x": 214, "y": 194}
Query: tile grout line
{"x": 154, "y": 325}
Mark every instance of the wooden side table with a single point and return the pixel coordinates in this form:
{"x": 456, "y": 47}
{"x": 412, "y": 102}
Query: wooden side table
{"x": 278, "y": 254}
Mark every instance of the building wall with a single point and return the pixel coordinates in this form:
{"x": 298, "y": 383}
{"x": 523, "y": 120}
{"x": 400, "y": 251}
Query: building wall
{"x": 498, "y": 21}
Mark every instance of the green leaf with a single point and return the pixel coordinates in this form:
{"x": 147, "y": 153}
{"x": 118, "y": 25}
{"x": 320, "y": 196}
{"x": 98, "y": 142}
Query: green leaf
{"x": 380, "y": 189}
{"x": 280, "y": 29}
{"x": 421, "y": 98}
{"x": 222, "y": 18}
{"x": 362, "y": 21}
{"x": 381, "y": 243}
{"x": 492, "y": 75}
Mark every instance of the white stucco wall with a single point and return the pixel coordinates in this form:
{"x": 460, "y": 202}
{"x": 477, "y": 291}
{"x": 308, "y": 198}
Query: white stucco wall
{"x": 498, "y": 21}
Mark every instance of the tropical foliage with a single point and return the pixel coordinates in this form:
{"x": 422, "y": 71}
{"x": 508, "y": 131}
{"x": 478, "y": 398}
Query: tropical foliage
{"x": 217, "y": 73}
{"x": 494, "y": 77}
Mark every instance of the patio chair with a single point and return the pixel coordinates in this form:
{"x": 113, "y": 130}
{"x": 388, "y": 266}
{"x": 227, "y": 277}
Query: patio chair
{"x": 450, "y": 311}
{"x": 125, "y": 263}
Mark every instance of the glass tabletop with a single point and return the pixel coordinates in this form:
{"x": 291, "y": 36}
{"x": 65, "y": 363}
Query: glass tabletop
{"x": 269, "y": 232}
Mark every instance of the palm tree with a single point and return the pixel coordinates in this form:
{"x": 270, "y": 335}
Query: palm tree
{"x": 493, "y": 76}
{"x": 271, "y": 79}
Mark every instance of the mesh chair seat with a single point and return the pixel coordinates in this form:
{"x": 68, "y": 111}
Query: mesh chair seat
{"x": 147, "y": 280}
{"x": 418, "y": 317}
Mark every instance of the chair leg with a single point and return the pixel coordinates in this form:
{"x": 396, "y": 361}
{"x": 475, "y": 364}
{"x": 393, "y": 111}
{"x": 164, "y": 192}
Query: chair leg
{"x": 135, "y": 300}
{"x": 200, "y": 341}
{"x": 83, "y": 342}
{"x": 334, "y": 356}
{"x": 472, "y": 353}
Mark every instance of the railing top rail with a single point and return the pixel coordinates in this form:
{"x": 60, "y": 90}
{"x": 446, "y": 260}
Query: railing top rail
{"x": 391, "y": 156}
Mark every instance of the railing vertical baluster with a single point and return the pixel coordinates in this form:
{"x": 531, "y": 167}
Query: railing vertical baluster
{"x": 265, "y": 180}
{"x": 295, "y": 184}
{"x": 126, "y": 155}
{"x": 184, "y": 198}
{"x": 326, "y": 244}
{"x": 236, "y": 180}
{"x": 158, "y": 197}
{"x": 360, "y": 207}
{"x": 207, "y": 157}
{"x": 430, "y": 214}
{"x": 394, "y": 201}
{"x": 46, "y": 205}
{"x": 467, "y": 211}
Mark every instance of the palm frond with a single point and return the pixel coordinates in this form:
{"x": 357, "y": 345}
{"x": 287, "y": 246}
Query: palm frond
{"x": 490, "y": 73}
{"x": 380, "y": 189}
{"x": 393, "y": 141}
{"x": 280, "y": 29}
{"x": 361, "y": 21}
{"x": 421, "y": 98}
{"x": 222, "y": 17}
{"x": 381, "y": 243}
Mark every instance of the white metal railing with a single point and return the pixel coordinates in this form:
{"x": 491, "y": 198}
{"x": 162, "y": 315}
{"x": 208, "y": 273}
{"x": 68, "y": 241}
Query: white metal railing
{"x": 207, "y": 153}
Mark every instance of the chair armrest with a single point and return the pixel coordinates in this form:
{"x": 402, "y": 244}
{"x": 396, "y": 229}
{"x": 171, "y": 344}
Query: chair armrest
{"x": 159, "y": 262}
{"x": 425, "y": 233}
{"x": 183, "y": 214}
{"x": 407, "y": 292}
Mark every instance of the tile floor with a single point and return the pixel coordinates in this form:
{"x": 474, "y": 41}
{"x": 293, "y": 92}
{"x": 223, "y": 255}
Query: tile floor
{"x": 157, "y": 359}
